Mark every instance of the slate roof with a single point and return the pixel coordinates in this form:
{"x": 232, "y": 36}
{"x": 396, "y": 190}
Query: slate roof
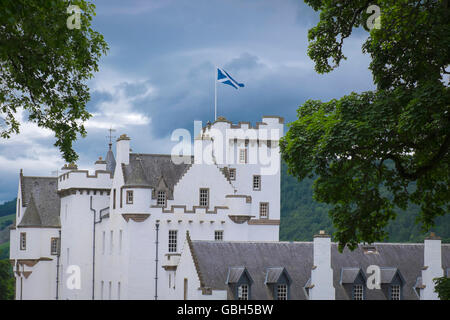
{"x": 39, "y": 196}
{"x": 213, "y": 260}
{"x": 110, "y": 161}
{"x": 147, "y": 169}
{"x": 234, "y": 274}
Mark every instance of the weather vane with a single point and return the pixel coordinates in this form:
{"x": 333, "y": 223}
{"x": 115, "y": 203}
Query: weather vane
{"x": 110, "y": 136}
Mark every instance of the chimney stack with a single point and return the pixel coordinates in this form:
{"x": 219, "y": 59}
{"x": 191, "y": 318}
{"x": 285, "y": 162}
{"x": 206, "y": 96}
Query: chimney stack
{"x": 432, "y": 267}
{"x": 123, "y": 149}
{"x": 321, "y": 287}
{"x": 100, "y": 164}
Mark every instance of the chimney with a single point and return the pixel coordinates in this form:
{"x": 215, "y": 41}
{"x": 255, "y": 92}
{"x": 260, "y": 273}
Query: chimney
{"x": 321, "y": 287}
{"x": 100, "y": 164}
{"x": 123, "y": 149}
{"x": 432, "y": 267}
{"x": 69, "y": 167}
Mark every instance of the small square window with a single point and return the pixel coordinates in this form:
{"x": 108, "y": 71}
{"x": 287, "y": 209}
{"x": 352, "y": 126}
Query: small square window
{"x": 232, "y": 173}
{"x": 129, "y": 197}
{"x": 218, "y": 235}
{"x": 282, "y": 292}
{"x": 204, "y": 197}
{"x": 161, "y": 200}
{"x": 257, "y": 183}
{"x": 23, "y": 241}
{"x": 243, "y": 292}
{"x": 264, "y": 210}
{"x": 54, "y": 246}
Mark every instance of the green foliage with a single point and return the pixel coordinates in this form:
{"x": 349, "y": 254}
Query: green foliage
{"x": 302, "y": 216}
{"x": 367, "y": 149}
{"x": 44, "y": 66}
{"x": 442, "y": 287}
{"x": 8, "y": 208}
{"x": 7, "y": 282}
{"x": 4, "y": 250}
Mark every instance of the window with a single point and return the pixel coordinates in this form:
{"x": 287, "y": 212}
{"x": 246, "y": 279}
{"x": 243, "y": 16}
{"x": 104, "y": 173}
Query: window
{"x": 263, "y": 210}
{"x": 109, "y": 291}
{"x": 161, "y": 200}
{"x": 218, "y": 235}
{"x": 114, "y": 198}
{"x": 395, "y": 292}
{"x": 173, "y": 235}
{"x": 243, "y": 292}
{"x": 282, "y": 292}
{"x": 242, "y": 156}
{"x": 204, "y": 197}
{"x": 54, "y": 246}
{"x": 358, "y": 292}
{"x": 118, "y": 290}
{"x": 130, "y": 197}
{"x": 232, "y": 173}
{"x": 101, "y": 290}
{"x": 256, "y": 183}
{"x": 23, "y": 241}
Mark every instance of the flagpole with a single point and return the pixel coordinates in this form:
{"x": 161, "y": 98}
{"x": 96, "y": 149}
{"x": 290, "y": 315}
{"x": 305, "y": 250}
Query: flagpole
{"x": 215, "y": 94}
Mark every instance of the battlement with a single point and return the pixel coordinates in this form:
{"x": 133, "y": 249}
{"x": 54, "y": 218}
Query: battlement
{"x": 81, "y": 179}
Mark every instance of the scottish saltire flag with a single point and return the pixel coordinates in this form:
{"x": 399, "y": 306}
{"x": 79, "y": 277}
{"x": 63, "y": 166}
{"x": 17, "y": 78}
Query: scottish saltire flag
{"x": 224, "y": 77}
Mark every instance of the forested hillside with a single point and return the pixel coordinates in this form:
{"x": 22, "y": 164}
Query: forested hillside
{"x": 302, "y": 217}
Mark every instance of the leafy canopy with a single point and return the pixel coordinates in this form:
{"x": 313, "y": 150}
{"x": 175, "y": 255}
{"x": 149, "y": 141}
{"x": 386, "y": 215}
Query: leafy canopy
{"x": 44, "y": 66}
{"x": 368, "y": 148}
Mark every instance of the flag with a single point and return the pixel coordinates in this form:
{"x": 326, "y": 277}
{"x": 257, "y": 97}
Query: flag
{"x": 224, "y": 77}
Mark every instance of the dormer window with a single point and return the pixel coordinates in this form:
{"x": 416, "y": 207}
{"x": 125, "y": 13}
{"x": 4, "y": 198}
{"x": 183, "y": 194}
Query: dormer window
{"x": 239, "y": 283}
{"x": 161, "y": 200}
{"x": 278, "y": 281}
{"x": 353, "y": 280}
{"x": 392, "y": 283}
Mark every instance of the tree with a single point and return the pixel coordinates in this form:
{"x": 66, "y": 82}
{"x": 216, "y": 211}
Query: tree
{"x": 44, "y": 65}
{"x": 7, "y": 282}
{"x": 368, "y": 148}
{"x": 442, "y": 287}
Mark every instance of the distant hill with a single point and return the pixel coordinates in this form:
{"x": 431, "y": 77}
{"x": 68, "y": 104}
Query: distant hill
{"x": 7, "y": 216}
{"x": 7, "y": 208}
{"x": 302, "y": 217}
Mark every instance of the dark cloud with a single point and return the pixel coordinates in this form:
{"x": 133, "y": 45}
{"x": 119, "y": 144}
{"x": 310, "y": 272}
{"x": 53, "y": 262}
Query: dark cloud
{"x": 159, "y": 74}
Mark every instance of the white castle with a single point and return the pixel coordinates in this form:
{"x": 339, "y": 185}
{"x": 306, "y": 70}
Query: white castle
{"x": 122, "y": 228}
{"x": 147, "y": 226}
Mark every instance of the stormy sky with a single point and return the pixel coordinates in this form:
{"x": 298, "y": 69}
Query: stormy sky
{"x": 159, "y": 75}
